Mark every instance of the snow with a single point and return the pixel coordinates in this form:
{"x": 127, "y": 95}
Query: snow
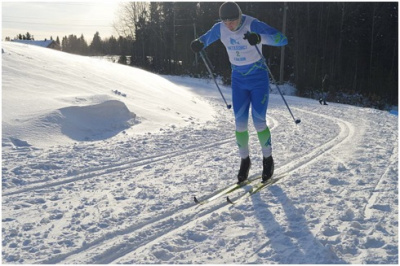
{"x": 75, "y": 99}
{"x": 90, "y": 175}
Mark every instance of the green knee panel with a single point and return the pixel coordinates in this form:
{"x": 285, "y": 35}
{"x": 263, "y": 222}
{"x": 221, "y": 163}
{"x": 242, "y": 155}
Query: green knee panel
{"x": 242, "y": 139}
{"x": 265, "y": 138}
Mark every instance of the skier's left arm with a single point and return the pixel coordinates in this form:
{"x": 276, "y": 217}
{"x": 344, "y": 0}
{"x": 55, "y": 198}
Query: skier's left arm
{"x": 268, "y": 34}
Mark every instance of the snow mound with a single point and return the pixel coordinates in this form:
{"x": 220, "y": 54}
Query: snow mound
{"x": 93, "y": 122}
{"x": 80, "y": 123}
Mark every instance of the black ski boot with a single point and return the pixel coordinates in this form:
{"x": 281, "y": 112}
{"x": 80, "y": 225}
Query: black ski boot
{"x": 244, "y": 170}
{"x": 268, "y": 168}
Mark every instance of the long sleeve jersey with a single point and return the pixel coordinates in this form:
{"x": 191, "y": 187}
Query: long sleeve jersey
{"x": 240, "y": 52}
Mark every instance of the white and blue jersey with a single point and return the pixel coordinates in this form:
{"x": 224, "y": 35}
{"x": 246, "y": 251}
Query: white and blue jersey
{"x": 250, "y": 81}
{"x": 240, "y": 52}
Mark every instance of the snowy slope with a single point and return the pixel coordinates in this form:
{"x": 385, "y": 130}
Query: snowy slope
{"x": 91, "y": 176}
{"x": 82, "y": 98}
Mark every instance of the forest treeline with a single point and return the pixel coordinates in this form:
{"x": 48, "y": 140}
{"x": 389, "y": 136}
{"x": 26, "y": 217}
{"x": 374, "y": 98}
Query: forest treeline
{"x": 355, "y": 43}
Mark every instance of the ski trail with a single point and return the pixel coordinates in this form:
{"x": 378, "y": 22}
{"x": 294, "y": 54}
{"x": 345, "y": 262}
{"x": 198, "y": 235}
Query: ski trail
{"x": 346, "y": 133}
{"x": 117, "y": 244}
{"x": 96, "y": 172}
{"x": 116, "y": 167}
{"x": 118, "y": 237}
{"x": 375, "y": 192}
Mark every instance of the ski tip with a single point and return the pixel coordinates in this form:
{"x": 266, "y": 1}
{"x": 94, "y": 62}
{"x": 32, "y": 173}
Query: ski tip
{"x": 196, "y": 200}
{"x": 229, "y": 200}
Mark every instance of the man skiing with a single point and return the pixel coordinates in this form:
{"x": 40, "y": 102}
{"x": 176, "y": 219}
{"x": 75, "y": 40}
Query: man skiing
{"x": 250, "y": 82}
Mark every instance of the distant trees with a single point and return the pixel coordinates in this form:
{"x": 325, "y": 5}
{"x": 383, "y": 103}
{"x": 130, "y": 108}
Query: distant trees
{"x": 26, "y": 36}
{"x": 355, "y": 43}
{"x": 75, "y": 45}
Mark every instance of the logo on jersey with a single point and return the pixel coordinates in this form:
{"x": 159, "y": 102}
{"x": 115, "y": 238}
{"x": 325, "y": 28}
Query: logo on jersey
{"x": 233, "y": 41}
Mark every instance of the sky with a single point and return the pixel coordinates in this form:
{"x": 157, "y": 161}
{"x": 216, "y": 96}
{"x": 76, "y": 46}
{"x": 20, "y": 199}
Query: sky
{"x": 59, "y": 18}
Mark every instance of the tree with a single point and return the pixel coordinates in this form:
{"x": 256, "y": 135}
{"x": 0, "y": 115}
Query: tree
{"x": 96, "y": 47}
{"x": 82, "y": 48}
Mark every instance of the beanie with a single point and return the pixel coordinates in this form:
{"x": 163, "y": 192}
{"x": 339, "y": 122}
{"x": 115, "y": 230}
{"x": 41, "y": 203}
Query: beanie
{"x": 230, "y": 11}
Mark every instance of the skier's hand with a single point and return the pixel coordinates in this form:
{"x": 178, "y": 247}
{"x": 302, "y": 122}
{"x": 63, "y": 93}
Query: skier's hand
{"x": 196, "y": 46}
{"x": 252, "y": 37}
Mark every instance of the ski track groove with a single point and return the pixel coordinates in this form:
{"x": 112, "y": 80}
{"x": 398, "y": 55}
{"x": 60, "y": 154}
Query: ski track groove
{"x": 373, "y": 193}
{"x": 115, "y": 245}
{"x": 346, "y": 133}
{"x": 98, "y": 171}
{"x": 115, "y": 168}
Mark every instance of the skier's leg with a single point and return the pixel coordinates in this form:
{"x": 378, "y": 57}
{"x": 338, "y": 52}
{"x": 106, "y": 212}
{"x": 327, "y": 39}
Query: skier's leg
{"x": 259, "y": 102}
{"x": 259, "y": 105}
{"x": 241, "y": 104}
{"x": 266, "y": 147}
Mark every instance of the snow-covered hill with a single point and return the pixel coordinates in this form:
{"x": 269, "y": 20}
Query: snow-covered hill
{"x": 100, "y": 163}
{"x": 81, "y": 98}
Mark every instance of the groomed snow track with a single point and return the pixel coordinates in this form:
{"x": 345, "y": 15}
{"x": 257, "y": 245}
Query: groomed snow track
{"x": 117, "y": 244}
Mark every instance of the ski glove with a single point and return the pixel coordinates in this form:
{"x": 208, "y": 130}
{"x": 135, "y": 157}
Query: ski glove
{"x": 196, "y": 46}
{"x": 252, "y": 37}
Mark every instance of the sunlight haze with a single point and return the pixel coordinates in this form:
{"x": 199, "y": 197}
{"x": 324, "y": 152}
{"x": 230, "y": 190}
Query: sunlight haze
{"x": 51, "y": 19}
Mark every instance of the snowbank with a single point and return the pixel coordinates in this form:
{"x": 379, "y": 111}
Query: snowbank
{"x": 50, "y": 97}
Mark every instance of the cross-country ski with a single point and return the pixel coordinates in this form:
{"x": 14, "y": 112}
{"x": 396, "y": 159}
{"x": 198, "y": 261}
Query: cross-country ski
{"x": 256, "y": 188}
{"x": 226, "y": 191}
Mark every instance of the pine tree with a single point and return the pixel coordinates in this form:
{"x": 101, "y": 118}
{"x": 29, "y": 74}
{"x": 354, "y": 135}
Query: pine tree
{"x": 96, "y": 47}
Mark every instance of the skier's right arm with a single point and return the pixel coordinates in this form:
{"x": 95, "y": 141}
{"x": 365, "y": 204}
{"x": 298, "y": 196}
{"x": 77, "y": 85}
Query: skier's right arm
{"x": 208, "y": 38}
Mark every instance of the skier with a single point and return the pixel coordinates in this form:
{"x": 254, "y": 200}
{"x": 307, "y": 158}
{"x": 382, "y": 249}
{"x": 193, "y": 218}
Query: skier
{"x": 325, "y": 87}
{"x": 250, "y": 81}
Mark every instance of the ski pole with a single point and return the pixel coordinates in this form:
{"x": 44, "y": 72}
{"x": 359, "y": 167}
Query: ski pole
{"x": 212, "y": 75}
{"x": 297, "y": 121}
